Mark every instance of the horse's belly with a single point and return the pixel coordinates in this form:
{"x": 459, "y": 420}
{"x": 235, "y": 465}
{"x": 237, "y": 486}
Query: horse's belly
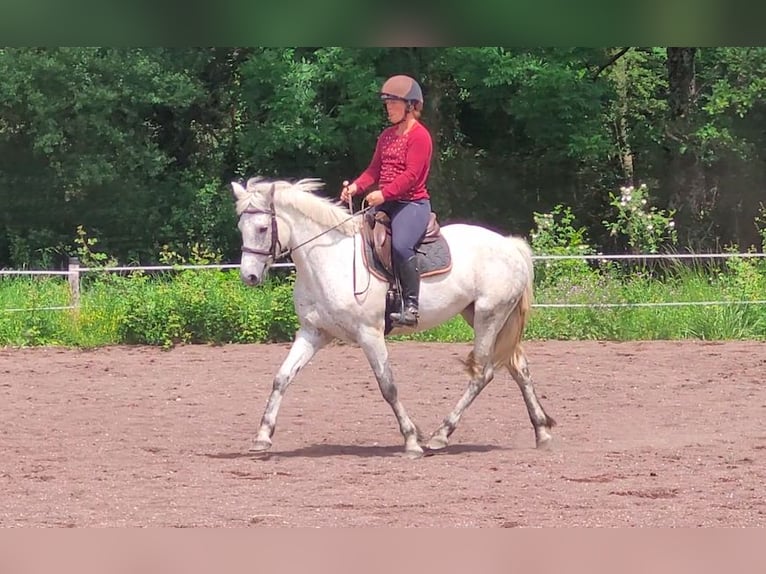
{"x": 440, "y": 302}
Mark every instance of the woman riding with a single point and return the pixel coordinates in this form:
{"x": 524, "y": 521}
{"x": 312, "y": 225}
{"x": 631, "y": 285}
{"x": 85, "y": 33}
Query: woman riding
{"x": 400, "y": 166}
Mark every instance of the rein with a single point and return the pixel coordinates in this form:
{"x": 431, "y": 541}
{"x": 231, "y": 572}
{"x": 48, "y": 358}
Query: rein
{"x": 279, "y": 254}
{"x": 353, "y": 260}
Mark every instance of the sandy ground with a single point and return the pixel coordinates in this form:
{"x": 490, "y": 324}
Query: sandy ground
{"x": 649, "y": 434}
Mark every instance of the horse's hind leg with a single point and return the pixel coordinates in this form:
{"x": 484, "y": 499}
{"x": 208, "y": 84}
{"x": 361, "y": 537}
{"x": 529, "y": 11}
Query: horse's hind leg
{"x": 374, "y": 346}
{"x": 541, "y": 421}
{"x": 486, "y": 326}
{"x": 307, "y": 343}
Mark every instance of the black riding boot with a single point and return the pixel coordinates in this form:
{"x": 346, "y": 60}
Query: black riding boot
{"x": 409, "y": 279}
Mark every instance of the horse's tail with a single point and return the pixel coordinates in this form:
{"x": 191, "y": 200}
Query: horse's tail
{"x": 507, "y": 350}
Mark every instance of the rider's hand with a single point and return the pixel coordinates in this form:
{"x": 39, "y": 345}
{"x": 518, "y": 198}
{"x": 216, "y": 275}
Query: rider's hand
{"x": 375, "y": 198}
{"x": 347, "y": 192}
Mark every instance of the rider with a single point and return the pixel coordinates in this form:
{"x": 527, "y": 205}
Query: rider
{"x": 400, "y": 166}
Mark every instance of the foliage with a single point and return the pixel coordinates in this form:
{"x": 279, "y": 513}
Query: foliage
{"x": 21, "y": 324}
{"x": 760, "y": 223}
{"x": 214, "y": 307}
{"x": 645, "y": 227}
{"x": 85, "y": 249}
{"x": 304, "y": 108}
{"x": 198, "y": 306}
{"x": 86, "y": 138}
{"x": 138, "y": 145}
{"x": 743, "y": 279}
{"x": 555, "y": 234}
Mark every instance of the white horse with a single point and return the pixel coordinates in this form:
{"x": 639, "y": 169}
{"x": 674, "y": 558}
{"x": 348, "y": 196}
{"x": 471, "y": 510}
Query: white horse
{"x": 490, "y": 284}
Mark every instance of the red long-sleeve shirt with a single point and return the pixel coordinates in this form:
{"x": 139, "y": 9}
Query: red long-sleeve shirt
{"x": 400, "y": 164}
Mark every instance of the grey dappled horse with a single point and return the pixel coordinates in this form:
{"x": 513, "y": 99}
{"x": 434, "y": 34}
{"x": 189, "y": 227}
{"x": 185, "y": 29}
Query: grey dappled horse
{"x": 490, "y": 284}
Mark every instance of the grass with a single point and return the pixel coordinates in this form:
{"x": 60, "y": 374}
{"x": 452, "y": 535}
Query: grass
{"x": 211, "y": 306}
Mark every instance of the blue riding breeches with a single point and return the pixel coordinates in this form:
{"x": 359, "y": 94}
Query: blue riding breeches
{"x": 409, "y": 220}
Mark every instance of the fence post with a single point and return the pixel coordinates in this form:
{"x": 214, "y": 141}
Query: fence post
{"x": 74, "y": 282}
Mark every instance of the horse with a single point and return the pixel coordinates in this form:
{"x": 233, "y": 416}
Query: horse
{"x": 490, "y": 283}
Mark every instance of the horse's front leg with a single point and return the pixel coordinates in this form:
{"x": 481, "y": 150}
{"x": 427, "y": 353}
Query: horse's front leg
{"x": 307, "y": 343}
{"x": 374, "y": 346}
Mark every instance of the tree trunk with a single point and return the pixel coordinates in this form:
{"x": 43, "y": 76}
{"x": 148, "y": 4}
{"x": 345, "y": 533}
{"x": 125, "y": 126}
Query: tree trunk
{"x": 437, "y": 114}
{"x": 689, "y": 194}
{"x": 621, "y": 120}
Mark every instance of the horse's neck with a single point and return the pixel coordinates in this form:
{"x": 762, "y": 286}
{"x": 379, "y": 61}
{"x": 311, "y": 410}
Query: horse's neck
{"x": 306, "y": 235}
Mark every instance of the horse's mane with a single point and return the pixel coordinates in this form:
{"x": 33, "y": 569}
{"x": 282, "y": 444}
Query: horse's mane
{"x": 301, "y": 197}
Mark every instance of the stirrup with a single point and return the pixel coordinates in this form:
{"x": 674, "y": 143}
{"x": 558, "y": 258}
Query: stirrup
{"x": 409, "y": 318}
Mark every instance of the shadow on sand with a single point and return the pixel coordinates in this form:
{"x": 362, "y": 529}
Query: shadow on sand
{"x": 361, "y": 451}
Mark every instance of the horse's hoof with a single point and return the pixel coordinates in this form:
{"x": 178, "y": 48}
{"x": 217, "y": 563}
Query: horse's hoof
{"x": 437, "y": 442}
{"x": 260, "y": 446}
{"x": 545, "y": 443}
{"x": 413, "y": 454}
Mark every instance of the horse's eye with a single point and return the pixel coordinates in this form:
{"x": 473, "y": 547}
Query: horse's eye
{"x": 263, "y": 229}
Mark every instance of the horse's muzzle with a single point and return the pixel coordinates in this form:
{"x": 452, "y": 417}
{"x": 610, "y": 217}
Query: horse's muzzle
{"x": 250, "y": 279}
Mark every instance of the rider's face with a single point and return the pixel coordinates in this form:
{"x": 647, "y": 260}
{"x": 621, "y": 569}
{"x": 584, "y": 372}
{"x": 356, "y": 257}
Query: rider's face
{"x": 396, "y": 110}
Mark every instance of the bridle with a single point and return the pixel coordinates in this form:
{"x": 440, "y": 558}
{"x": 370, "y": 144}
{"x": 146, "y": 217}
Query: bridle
{"x": 275, "y": 250}
{"x": 272, "y": 252}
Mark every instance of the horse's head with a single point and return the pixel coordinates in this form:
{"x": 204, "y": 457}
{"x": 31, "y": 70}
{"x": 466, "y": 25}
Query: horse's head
{"x": 267, "y": 220}
{"x": 258, "y": 225}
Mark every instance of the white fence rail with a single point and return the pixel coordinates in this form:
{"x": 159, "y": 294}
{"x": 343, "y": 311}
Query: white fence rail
{"x": 75, "y": 271}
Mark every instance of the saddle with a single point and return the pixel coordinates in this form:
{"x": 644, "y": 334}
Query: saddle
{"x": 432, "y": 251}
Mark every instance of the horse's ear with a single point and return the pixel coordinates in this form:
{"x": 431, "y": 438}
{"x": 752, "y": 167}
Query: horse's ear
{"x": 239, "y": 191}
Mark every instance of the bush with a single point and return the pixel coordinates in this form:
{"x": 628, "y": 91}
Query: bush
{"x": 212, "y": 306}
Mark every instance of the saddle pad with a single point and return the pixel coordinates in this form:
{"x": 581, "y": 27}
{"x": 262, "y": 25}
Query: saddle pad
{"x": 433, "y": 259}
